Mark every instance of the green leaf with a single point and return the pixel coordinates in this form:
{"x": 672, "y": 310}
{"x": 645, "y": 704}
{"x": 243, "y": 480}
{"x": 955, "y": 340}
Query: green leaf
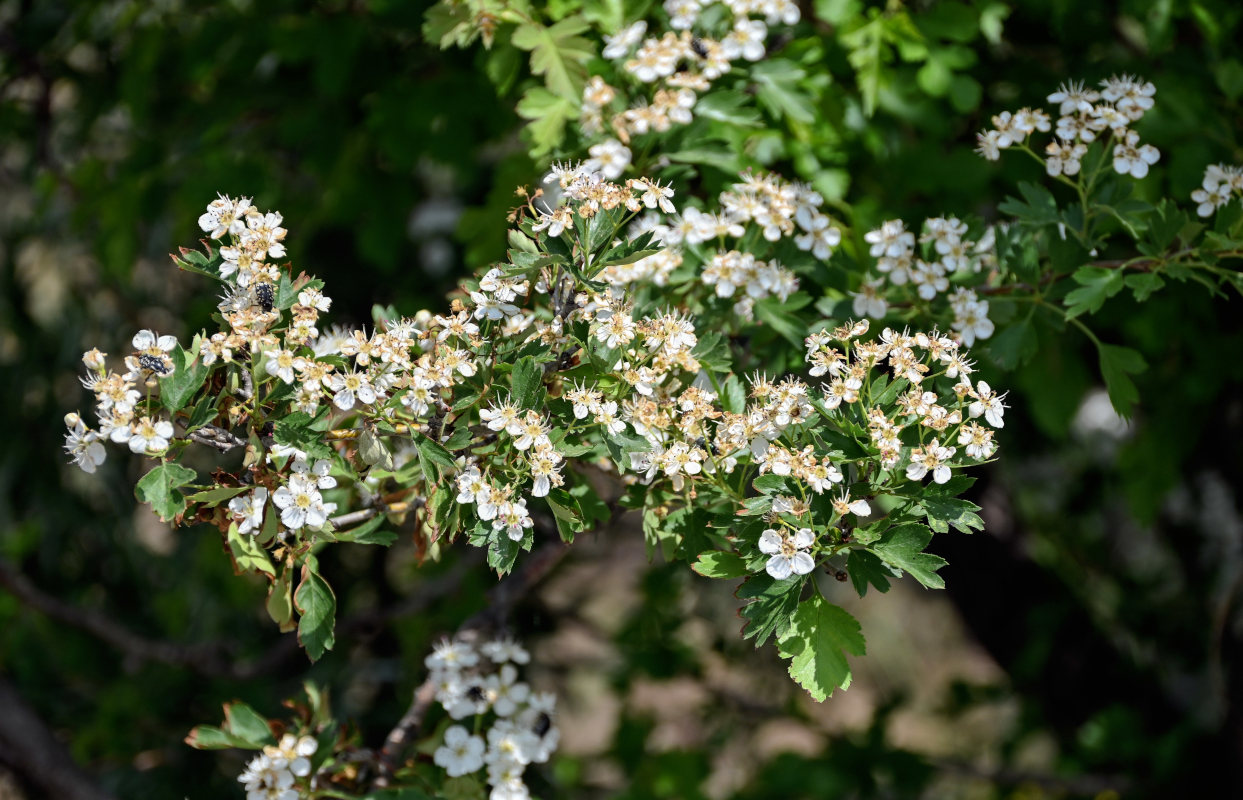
{"x": 318, "y": 606}
{"x": 214, "y": 497}
{"x": 712, "y": 352}
{"x": 368, "y": 533}
{"x": 866, "y": 569}
{"x": 527, "y": 384}
{"x": 771, "y": 604}
{"x": 1118, "y": 364}
{"x": 944, "y": 512}
{"x": 248, "y": 554}
{"x": 280, "y": 601}
{"x": 1143, "y": 284}
{"x": 902, "y": 547}
{"x": 622, "y": 446}
{"x": 1014, "y": 345}
{"x": 159, "y": 489}
{"x": 719, "y": 564}
{"x": 558, "y": 53}
{"x": 187, "y": 378}
{"x": 301, "y": 431}
{"x": 1037, "y": 207}
{"x": 502, "y": 551}
{"x": 769, "y": 483}
{"x": 248, "y": 725}
{"x": 195, "y": 261}
{"x": 373, "y": 451}
{"x": 734, "y": 395}
{"x": 816, "y": 641}
{"x": 1096, "y": 285}
{"x": 778, "y": 90}
{"x": 209, "y": 737}
{"x": 548, "y": 114}
{"x": 565, "y": 510}
{"x": 734, "y": 108}
{"x": 431, "y": 453}
{"x": 781, "y": 320}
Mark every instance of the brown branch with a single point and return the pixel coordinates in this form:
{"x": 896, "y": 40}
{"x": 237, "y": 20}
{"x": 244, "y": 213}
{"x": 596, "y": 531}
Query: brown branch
{"x": 501, "y": 601}
{"x": 30, "y": 749}
{"x": 210, "y": 659}
{"x": 217, "y": 437}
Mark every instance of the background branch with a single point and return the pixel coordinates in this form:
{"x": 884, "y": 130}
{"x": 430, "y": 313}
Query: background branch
{"x": 31, "y": 750}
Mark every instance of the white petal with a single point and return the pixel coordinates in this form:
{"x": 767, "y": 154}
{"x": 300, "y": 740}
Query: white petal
{"x": 778, "y": 567}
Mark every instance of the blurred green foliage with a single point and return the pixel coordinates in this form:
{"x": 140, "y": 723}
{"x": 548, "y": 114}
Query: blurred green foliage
{"x": 1106, "y": 587}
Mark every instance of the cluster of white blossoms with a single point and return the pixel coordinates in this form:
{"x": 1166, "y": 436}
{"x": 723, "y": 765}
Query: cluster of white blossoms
{"x": 276, "y": 773}
{"x": 1085, "y": 115}
{"x": 480, "y": 682}
{"x": 1221, "y": 183}
{"x": 761, "y": 203}
{"x": 675, "y": 66}
{"x": 691, "y": 438}
{"x": 947, "y": 251}
{"x": 119, "y": 403}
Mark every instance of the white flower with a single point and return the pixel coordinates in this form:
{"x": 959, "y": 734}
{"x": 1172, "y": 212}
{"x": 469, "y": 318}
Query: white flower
{"x": 266, "y": 779}
{"x": 1074, "y": 97}
{"x": 868, "y": 301}
{"x": 250, "y": 508}
{"x": 471, "y": 485}
{"x": 83, "y": 444}
{"x": 461, "y": 754}
{"x": 316, "y": 473}
{"x": 150, "y": 436}
{"x": 225, "y": 215}
{"x": 789, "y": 552}
{"x": 989, "y": 404}
{"x": 512, "y": 517}
{"x": 1211, "y": 199}
{"x": 450, "y": 655}
{"x": 281, "y": 363}
{"x": 610, "y": 158}
{"x": 607, "y": 416}
{"x": 1132, "y": 158}
{"x": 972, "y": 321}
{"x": 313, "y": 298}
{"x": 620, "y": 43}
{"x": 506, "y": 691}
{"x": 491, "y": 307}
{"x": 505, "y": 650}
{"x": 844, "y": 505}
{"x": 350, "y": 388}
{"x": 301, "y": 504}
{"x": 930, "y": 459}
{"x": 292, "y": 753}
{"x": 509, "y": 743}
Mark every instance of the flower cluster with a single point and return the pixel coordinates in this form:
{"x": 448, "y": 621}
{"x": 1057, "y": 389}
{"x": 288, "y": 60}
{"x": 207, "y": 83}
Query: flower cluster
{"x": 482, "y": 682}
{"x": 671, "y": 70}
{"x": 125, "y": 416}
{"x": 946, "y": 252}
{"x": 1085, "y": 115}
{"x": 761, "y": 207}
{"x": 277, "y": 772}
{"x": 1221, "y": 183}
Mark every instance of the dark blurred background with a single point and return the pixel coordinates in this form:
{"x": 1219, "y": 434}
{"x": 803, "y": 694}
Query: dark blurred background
{"x": 1087, "y": 645}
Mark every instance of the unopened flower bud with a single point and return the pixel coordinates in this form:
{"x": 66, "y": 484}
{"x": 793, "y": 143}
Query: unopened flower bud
{"x": 72, "y": 420}
{"x": 93, "y": 359}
